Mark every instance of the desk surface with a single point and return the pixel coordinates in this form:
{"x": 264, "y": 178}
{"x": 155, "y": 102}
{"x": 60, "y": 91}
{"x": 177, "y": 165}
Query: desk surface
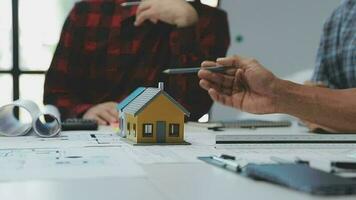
{"x": 176, "y": 174}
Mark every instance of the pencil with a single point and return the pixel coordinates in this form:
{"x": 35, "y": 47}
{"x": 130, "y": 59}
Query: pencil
{"x": 196, "y": 70}
{"x": 133, "y": 3}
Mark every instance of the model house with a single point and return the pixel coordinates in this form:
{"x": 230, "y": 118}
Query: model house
{"x": 150, "y": 115}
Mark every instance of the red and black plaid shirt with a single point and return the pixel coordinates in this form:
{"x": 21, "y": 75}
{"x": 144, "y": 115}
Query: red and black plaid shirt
{"x": 102, "y": 56}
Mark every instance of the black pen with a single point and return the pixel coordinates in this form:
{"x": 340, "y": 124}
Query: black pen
{"x": 344, "y": 165}
{"x": 196, "y": 69}
{"x": 227, "y": 164}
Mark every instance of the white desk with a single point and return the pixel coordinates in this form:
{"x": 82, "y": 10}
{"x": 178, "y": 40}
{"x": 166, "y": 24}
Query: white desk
{"x": 178, "y": 175}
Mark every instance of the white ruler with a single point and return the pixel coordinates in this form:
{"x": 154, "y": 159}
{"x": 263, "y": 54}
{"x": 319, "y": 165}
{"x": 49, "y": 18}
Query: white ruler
{"x": 287, "y": 139}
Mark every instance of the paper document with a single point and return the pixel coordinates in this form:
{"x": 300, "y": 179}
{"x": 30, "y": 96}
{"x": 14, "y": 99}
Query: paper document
{"x": 66, "y": 163}
{"x": 67, "y": 139}
{"x": 43, "y": 124}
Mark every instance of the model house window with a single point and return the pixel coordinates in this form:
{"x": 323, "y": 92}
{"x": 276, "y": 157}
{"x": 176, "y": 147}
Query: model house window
{"x": 134, "y": 130}
{"x": 128, "y": 128}
{"x": 174, "y": 130}
{"x": 147, "y": 130}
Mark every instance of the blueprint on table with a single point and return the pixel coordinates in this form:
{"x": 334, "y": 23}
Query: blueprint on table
{"x": 68, "y": 163}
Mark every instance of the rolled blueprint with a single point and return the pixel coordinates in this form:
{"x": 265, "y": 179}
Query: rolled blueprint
{"x": 46, "y": 124}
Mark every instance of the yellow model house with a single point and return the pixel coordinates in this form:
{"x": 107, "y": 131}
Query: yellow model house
{"x": 151, "y": 116}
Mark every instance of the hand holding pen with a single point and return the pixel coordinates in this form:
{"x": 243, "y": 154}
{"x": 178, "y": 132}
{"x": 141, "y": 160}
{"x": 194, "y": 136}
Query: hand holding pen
{"x": 194, "y": 70}
{"x": 248, "y": 86}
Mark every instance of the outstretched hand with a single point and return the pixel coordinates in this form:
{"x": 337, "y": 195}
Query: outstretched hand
{"x": 248, "y": 87}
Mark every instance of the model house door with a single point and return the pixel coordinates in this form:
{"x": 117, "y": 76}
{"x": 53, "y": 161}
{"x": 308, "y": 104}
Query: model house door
{"x": 161, "y": 132}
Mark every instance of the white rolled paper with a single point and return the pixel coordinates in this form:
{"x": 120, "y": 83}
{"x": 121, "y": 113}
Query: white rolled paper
{"x": 44, "y": 124}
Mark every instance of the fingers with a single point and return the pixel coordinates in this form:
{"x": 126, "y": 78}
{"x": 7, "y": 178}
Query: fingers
{"x": 207, "y": 85}
{"x": 107, "y": 116}
{"x": 236, "y": 61}
{"x": 114, "y": 113}
{"x": 109, "y": 112}
{"x": 99, "y": 120}
{"x": 228, "y": 88}
{"x": 240, "y": 84}
{"x": 145, "y": 12}
{"x": 146, "y": 15}
{"x": 103, "y": 117}
{"x": 220, "y": 80}
{"x": 221, "y": 98}
{"x": 104, "y": 114}
{"x": 144, "y": 5}
{"x": 229, "y": 61}
{"x": 206, "y": 64}
{"x": 225, "y": 84}
{"x": 232, "y": 79}
{"x": 154, "y": 20}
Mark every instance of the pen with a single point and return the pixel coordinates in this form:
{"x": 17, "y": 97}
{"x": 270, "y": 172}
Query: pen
{"x": 196, "y": 70}
{"x": 136, "y": 3}
{"x": 227, "y": 164}
{"x": 133, "y": 3}
{"x": 344, "y": 165}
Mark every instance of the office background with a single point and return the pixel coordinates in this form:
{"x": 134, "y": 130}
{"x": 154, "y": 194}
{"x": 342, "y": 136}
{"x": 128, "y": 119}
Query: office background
{"x": 282, "y": 34}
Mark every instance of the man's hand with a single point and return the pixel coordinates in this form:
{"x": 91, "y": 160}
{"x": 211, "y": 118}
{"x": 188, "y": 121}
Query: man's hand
{"x": 175, "y": 12}
{"x": 104, "y": 113}
{"x": 248, "y": 87}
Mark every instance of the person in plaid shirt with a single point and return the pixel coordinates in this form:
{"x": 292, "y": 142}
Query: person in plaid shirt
{"x": 336, "y": 59}
{"x": 106, "y": 51}
{"x": 252, "y": 88}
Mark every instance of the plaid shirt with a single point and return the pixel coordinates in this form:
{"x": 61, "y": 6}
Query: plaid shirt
{"x": 336, "y": 60}
{"x": 102, "y": 56}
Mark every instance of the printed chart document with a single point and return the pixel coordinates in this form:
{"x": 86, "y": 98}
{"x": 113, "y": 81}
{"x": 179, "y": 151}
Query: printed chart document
{"x": 43, "y": 124}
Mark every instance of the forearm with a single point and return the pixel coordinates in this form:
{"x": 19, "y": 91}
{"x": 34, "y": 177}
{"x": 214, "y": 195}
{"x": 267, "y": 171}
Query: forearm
{"x": 335, "y": 109}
